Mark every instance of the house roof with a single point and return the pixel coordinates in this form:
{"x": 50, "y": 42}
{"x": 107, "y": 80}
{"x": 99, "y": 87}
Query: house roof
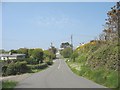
{"x": 13, "y": 55}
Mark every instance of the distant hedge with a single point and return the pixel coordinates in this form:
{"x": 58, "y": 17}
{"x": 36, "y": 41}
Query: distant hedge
{"x": 38, "y": 66}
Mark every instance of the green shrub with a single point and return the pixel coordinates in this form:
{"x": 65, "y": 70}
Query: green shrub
{"x": 112, "y": 79}
{"x": 8, "y": 84}
{"x": 4, "y": 68}
{"x": 42, "y": 66}
{"x": 31, "y": 61}
{"x": 74, "y": 55}
{"x": 38, "y": 66}
{"x": 11, "y": 69}
{"x": 67, "y": 52}
{"x": 49, "y": 61}
{"x": 31, "y": 66}
{"x": 49, "y": 54}
{"x": 16, "y": 68}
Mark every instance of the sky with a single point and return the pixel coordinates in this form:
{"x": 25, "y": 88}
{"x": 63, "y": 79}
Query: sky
{"x": 37, "y": 24}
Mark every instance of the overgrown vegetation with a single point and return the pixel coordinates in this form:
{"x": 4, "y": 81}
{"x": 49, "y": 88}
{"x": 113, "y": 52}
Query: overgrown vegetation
{"x": 36, "y": 60}
{"x": 8, "y": 84}
{"x": 98, "y": 59}
{"x": 15, "y": 68}
{"x": 66, "y": 49}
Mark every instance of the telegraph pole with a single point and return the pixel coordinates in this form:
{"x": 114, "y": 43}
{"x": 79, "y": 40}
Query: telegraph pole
{"x": 72, "y": 42}
{"x": 51, "y": 44}
{"x": 118, "y": 17}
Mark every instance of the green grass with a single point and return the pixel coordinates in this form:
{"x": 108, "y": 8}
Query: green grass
{"x": 38, "y": 70}
{"x": 1, "y": 61}
{"x": 100, "y": 76}
{"x": 8, "y": 84}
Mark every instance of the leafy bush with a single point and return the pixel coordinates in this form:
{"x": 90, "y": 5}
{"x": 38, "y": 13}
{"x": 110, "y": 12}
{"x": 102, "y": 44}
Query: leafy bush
{"x": 67, "y": 52}
{"x": 31, "y": 61}
{"x": 42, "y": 66}
{"x": 8, "y": 84}
{"x": 74, "y": 55}
{"x": 4, "y": 68}
{"x": 50, "y": 62}
{"x": 38, "y": 55}
{"x": 16, "y": 68}
{"x": 49, "y": 54}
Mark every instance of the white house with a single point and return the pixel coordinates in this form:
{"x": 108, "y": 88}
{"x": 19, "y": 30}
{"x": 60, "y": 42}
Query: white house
{"x": 11, "y": 56}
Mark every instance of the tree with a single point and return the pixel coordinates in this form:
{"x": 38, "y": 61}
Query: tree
{"x": 3, "y": 51}
{"x": 38, "y": 55}
{"x": 49, "y": 55}
{"x": 112, "y": 25}
{"x": 23, "y": 51}
{"x": 65, "y": 45}
{"x": 30, "y": 51}
{"x": 53, "y": 49}
{"x": 67, "y": 52}
{"x": 74, "y": 55}
{"x": 13, "y": 51}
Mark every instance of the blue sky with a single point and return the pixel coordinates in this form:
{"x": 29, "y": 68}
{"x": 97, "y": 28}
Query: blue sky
{"x": 0, "y": 25}
{"x": 36, "y": 25}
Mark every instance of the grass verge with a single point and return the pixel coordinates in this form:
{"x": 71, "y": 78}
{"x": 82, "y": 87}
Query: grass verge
{"x": 100, "y": 76}
{"x": 38, "y": 70}
{"x": 8, "y": 84}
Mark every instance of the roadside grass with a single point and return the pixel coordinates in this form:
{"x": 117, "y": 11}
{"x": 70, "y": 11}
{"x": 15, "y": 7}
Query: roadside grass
{"x": 8, "y": 84}
{"x": 37, "y": 70}
{"x": 1, "y": 61}
{"x": 100, "y": 76}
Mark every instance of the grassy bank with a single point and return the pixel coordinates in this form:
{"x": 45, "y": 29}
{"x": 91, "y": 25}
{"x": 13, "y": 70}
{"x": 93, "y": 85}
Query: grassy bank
{"x": 8, "y": 84}
{"x": 97, "y": 62}
{"x": 100, "y": 76}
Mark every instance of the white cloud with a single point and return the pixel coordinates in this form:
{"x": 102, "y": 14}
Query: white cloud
{"x": 56, "y": 21}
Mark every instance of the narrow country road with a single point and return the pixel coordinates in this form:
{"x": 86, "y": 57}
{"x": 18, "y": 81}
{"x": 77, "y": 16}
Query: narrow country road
{"x": 57, "y": 76}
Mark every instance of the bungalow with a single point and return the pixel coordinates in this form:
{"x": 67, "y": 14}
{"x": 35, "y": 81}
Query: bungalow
{"x": 11, "y": 56}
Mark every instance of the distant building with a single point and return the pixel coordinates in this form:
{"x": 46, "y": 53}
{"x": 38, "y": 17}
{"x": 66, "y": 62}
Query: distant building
{"x": 11, "y": 56}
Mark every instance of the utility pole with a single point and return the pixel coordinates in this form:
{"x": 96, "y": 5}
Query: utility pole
{"x": 118, "y": 17}
{"x": 72, "y": 42}
{"x": 51, "y": 44}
